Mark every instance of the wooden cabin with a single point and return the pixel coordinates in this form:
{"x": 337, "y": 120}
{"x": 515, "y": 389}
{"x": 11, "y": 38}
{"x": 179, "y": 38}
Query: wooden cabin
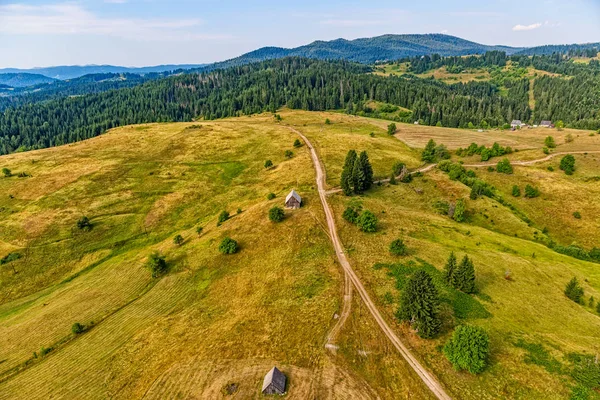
{"x": 274, "y": 382}
{"x": 293, "y": 200}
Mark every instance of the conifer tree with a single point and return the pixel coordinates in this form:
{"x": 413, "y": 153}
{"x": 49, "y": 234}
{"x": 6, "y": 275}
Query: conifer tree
{"x": 464, "y": 276}
{"x": 420, "y": 304}
{"x": 367, "y": 170}
{"x": 428, "y": 154}
{"x": 359, "y": 179}
{"x": 347, "y": 179}
{"x": 574, "y": 291}
{"x": 450, "y": 269}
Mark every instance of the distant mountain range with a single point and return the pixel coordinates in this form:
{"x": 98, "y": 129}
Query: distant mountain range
{"x": 75, "y": 71}
{"x": 22, "y": 79}
{"x": 364, "y": 50}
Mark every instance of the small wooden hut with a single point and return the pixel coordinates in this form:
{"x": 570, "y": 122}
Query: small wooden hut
{"x": 293, "y": 200}
{"x": 274, "y": 382}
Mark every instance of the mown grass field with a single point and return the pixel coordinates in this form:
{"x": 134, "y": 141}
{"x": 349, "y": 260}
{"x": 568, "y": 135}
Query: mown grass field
{"x": 215, "y": 320}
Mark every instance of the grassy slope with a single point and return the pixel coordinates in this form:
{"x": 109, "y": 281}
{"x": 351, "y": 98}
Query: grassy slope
{"x": 217, "y": 319}
{"x": 531, "y": 307}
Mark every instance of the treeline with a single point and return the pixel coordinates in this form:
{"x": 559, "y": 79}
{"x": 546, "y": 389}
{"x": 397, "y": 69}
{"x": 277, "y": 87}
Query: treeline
{"x": 574, "y": 101}
{"x": 455, "y": 64}
{"x": 296, "y": 82}
{"x": 557, "y": 64}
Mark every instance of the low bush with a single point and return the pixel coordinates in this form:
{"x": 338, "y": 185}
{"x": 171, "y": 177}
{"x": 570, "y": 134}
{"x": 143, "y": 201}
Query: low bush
{"x": 468, "y": 349}
{"x": 228, "y": 246}
{"x": 398, "y": 248}
{"x": 276, "y": 214}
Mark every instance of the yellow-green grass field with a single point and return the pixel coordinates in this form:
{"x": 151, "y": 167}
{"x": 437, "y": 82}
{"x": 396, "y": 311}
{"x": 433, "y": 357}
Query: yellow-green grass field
{"x": 215, "y": 320}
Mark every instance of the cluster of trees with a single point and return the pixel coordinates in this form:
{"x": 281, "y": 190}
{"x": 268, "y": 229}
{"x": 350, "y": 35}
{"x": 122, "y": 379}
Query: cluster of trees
{"x": 357, "y": 175}
{"x": 265, "y": 86}
{"x": 460, "y": 276}
{"x": 364, "y": 219}
{"x": 434, "y": 153}
{"x": 486, "y": 153}
{"x": 567, "y": 164}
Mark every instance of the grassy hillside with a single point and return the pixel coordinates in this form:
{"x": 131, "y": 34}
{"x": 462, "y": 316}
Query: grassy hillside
{"x": 216, "y": 320}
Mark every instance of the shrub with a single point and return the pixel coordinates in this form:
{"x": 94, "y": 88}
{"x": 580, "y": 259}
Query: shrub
{"x": 549, "y": 142}
{"x": 398, "y": 167}
{"x": 288, "y": 154}
{"x": 327, "y": 121}
{"x": 459, "y": 211}
{"x": 9, "y": 258}
{"x": 392, "y": 179}
{"x": 550, "y": 168}
{"x": 297, "y": 143}
{"x": 419, "y": 304}
{"x": 77, "y": 328}
{"x": 228, "y": 246}
{"x": 516, "y": 191}
{"x": 367, "y": 221}
{"x": 199, "y": 230}
{"x": 156, "y": 264}
{"x": 574, "y": 291}
{"x": 268, "y": 164}
{"x": 504, "y": 166}
{"x": 391, "y": 129}
{"x": 531, "y": 192}
{"x": 567, "y": 164}
{"x": 398, "y": 248}
{"x": 224, "y": 216}
{"x": 6, "y": 172}
{"x": 468, "y": 349}
{"x": 84, "y": 224}
{"x": 545, "y": 150}
{"x": 350, "y": 215}
{"x": 239, "y": 211}
{"x": 178, "y": 240}
{"x": 276, "y": 214}
{"x": 271, "y": 196}
{"x": 428, "y": 154}
{"x": 577, "y": 214}
{"x": 598, "y": 307}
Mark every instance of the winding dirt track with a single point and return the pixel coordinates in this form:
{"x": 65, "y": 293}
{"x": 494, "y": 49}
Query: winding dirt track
{"x": 425, "y": 376}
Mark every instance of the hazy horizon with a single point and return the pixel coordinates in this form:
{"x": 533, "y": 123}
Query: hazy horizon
{"x": 136, "y": 33}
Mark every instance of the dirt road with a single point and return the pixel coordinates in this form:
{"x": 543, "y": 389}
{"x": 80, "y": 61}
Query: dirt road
{"x": 427, "y": 377}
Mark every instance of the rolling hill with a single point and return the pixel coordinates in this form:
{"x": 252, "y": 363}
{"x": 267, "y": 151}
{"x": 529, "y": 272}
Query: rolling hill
{"x": 22, "y": 79}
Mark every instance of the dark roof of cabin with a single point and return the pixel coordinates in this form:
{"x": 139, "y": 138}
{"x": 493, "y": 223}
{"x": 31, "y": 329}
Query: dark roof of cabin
{"x": 276, "y": 378}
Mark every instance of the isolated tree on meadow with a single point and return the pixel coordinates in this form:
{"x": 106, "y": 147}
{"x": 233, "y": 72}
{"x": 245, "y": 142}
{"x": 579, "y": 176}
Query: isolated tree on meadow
{"x": 464, "y": 276}
{"x": 6, "y": 172}
{"x": 468, "y": 349}
{"x": 391, "y": 129}
{"x": 531, "y": 192}
{"x": 350, "y": 215}
{"x": 516, "y": 191}
{"x": 398, "y": 248}
{"x": 156, "y": 264}
{"x": 419, "y": 305}
{"x": 346, "y": 179}
{"x": 228, "y": 246}
{"x": 276, "y": 214}
{"x": 567, "y": 164}
{"x": 365, "y": 165}
{"x": 574, "y": 291}
{"x": 288, "y": 154}
{"x": 84, "y": 224}
{"x": 224, "y": 216}
{"x": 549, "y": 142}
{"x": 268, "y": 164}
{"x": 297, "y": 143}
{"x": 178, "y": 240}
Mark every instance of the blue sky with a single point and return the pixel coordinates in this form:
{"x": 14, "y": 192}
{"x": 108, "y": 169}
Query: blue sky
{"x": 150, "y": 32}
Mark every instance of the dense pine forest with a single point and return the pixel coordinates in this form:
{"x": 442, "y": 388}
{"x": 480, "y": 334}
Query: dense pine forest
{"x": 307, "y": 84}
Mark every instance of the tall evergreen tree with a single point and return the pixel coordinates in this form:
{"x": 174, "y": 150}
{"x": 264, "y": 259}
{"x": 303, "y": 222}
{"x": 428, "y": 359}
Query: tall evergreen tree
{"x": 464, "y": 276}
{"x": 428, "y": 154}
{"x": 367, "y": 170}
{"x": 346, "y": 180}
{"x": 419, "y": 304}
{"x": 359, "y": 180}
{"x": 450, "y": 269}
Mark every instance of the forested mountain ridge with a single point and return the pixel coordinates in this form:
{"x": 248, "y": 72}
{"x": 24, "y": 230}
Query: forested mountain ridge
{"x": 370, "y": 50}
{"x": 298, "y": 83}
{"x": 23, "y": 79}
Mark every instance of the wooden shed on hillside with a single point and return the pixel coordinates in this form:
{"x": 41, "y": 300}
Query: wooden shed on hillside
{"x": 293, "y": 200}
{"x": 274, "y": 382}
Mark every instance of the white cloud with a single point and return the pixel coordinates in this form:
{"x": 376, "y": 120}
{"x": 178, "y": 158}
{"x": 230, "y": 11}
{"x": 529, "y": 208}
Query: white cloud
{"x": 72, "y": 19}
{"x": 527, "y": 27}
